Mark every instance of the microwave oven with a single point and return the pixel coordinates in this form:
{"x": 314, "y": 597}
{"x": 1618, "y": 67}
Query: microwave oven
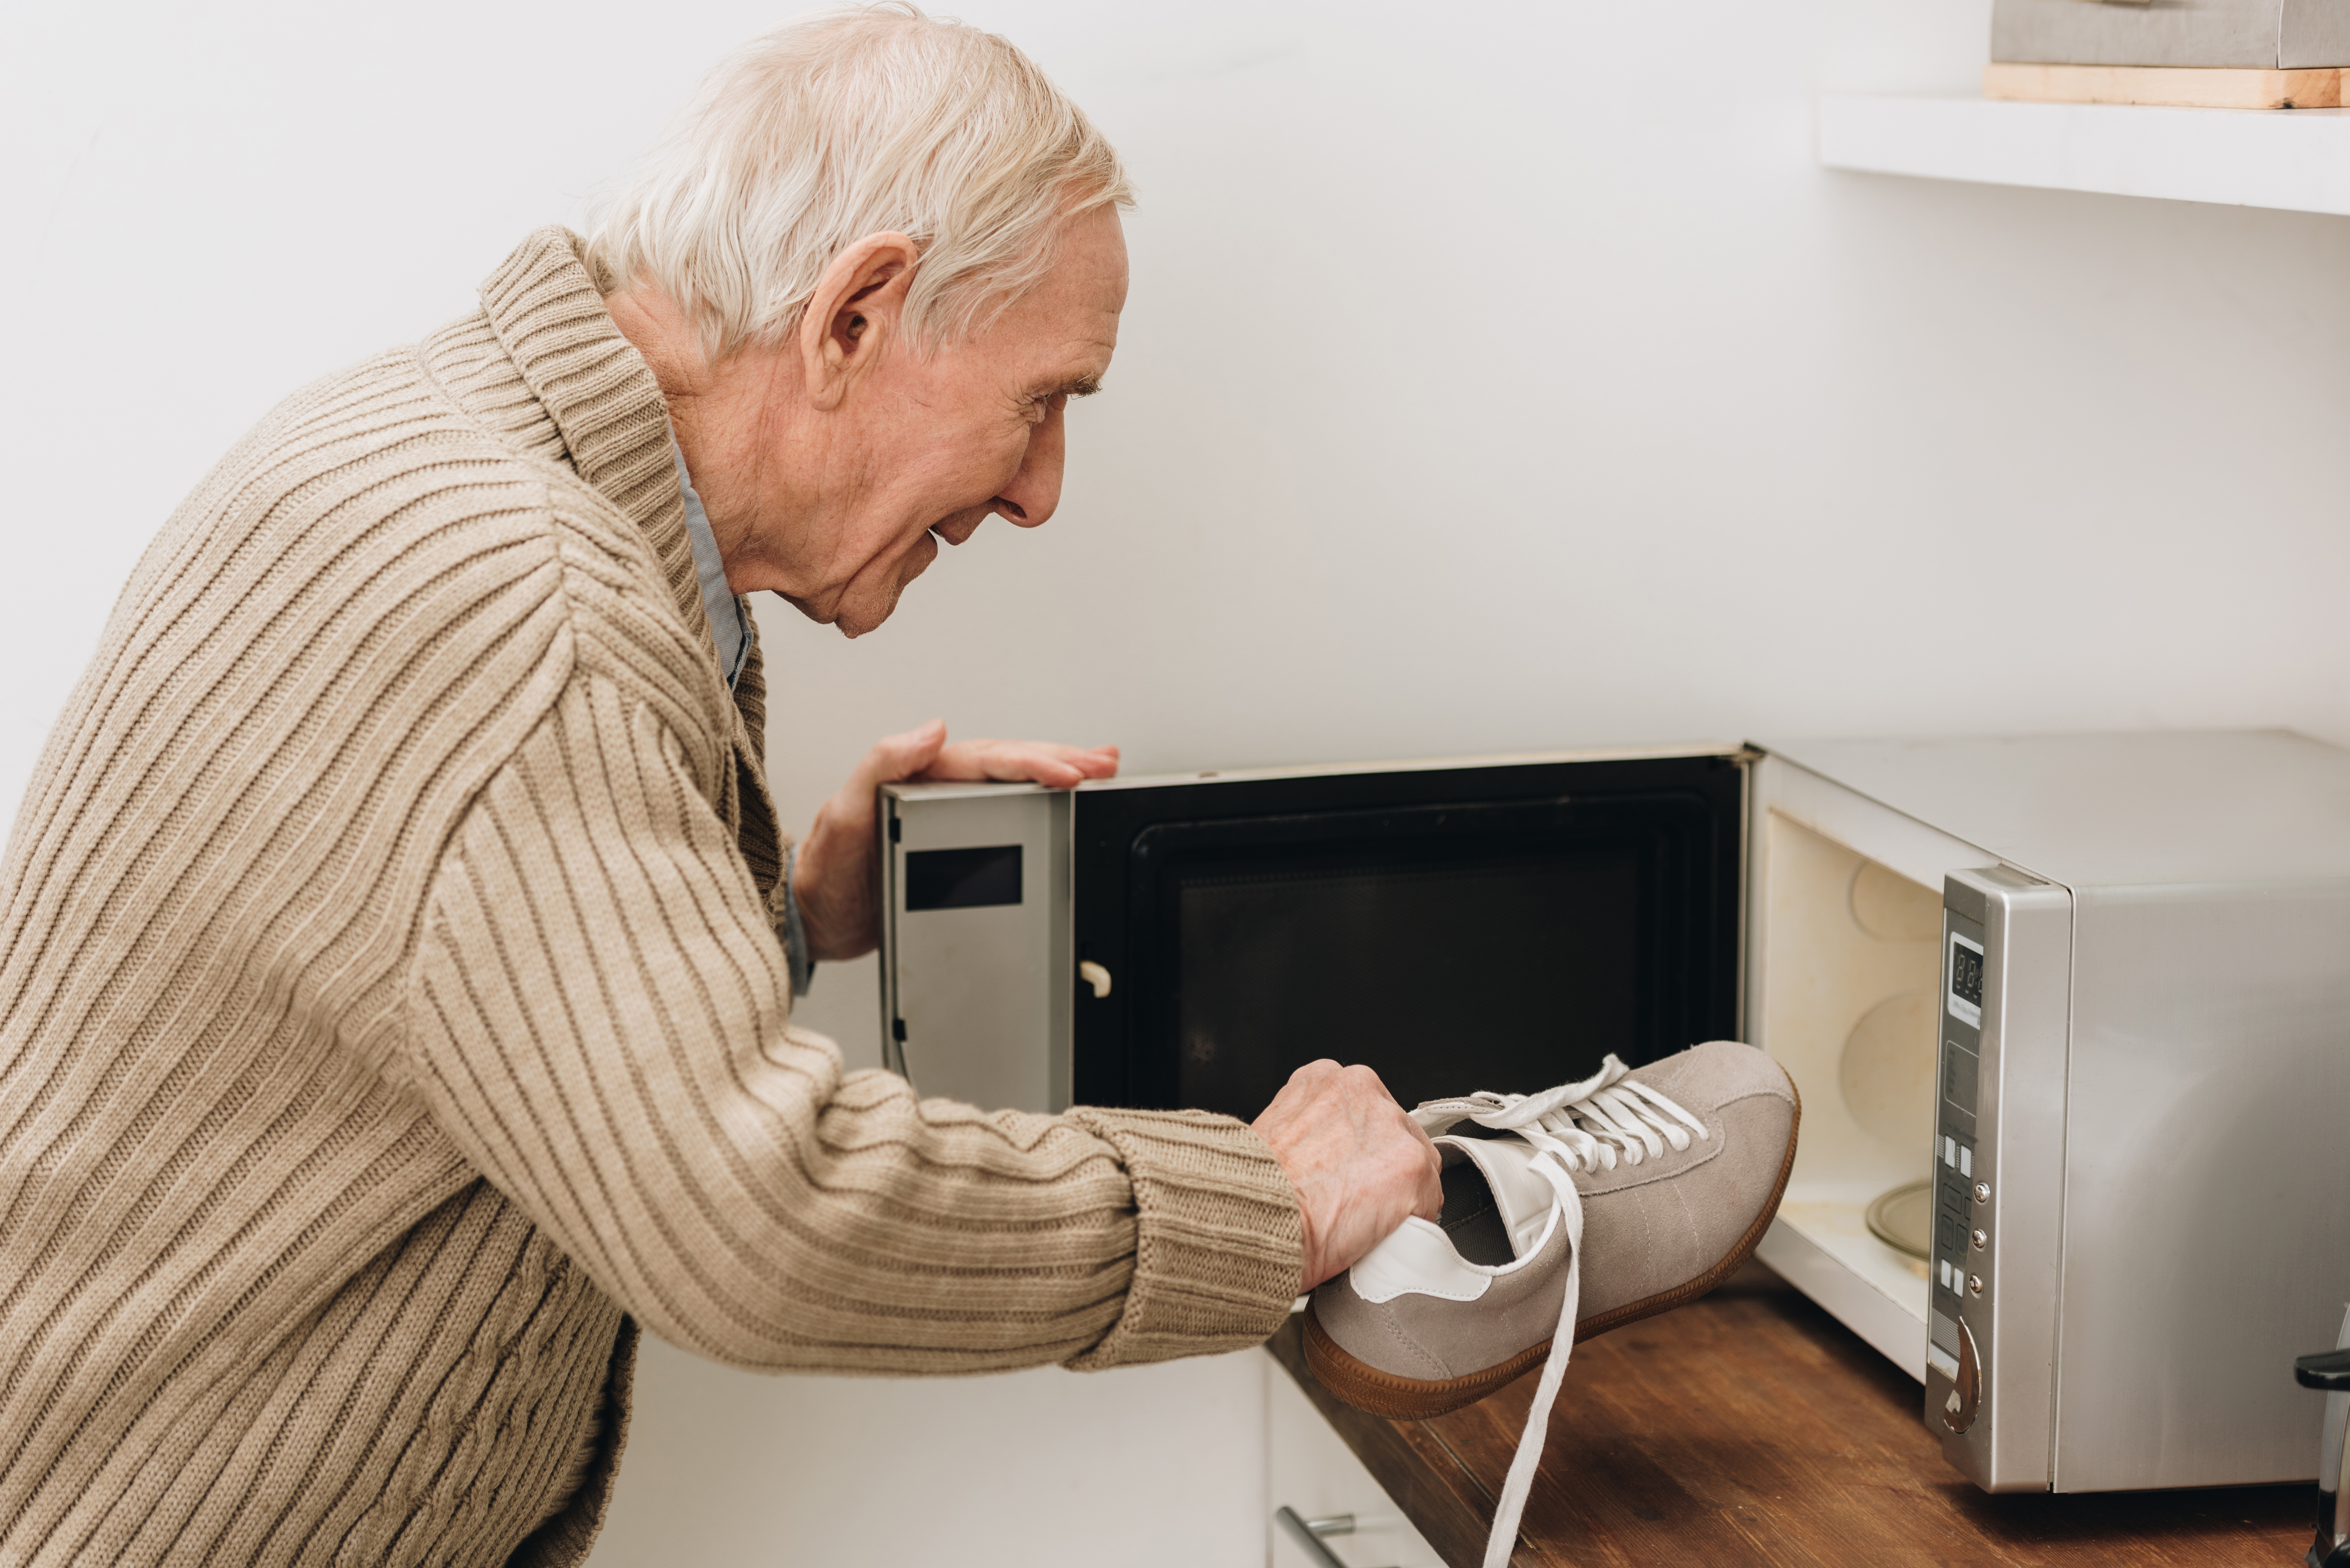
{"x": 2070, "y": 1017}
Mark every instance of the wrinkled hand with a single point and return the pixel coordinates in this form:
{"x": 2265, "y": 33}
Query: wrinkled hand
{"x": 1360, "y": 1166}
{"x": 837, "y": 879}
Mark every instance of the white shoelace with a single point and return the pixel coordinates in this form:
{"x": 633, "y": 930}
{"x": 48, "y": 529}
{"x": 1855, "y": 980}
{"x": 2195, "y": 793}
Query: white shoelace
{"x": 1588, "y": 1126}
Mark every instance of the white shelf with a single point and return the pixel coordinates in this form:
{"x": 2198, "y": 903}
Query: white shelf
{"x": 2296, "y": 159}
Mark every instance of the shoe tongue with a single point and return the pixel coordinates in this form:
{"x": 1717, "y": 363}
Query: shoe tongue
{"x": 1523, "y": 1198}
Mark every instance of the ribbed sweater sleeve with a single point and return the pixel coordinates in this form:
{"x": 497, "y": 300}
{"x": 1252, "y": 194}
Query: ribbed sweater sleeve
{"x": 598, "y": 1018}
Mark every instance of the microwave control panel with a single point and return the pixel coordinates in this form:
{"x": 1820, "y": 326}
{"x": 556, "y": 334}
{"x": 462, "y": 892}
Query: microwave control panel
{"x": 1999, "y": 1175}
{"x": 1962, "y": 1265}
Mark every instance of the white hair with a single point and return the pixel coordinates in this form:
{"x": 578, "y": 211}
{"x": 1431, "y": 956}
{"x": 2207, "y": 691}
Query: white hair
{"x": 844, "y": 124}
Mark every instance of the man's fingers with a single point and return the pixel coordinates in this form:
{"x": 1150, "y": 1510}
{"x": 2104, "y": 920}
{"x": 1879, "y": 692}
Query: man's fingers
{"x": 897, "y": 757}
{"x": 1357, "y": 1161}
{"x": 1426, "y": 1144}
{"x": 1431, "y": 1183}
{"x": 1036, "y": 761}
{"x": 1300, "y": 1090}
{"x": 1428, "y": 1201}
{"x": 1023, "y": 762}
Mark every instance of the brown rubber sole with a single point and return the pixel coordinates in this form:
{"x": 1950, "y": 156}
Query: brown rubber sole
{"x": 1378, "y": 1393}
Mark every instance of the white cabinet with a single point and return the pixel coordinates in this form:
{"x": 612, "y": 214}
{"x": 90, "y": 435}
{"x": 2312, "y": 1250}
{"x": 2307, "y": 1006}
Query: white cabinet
{"x": 1308, "y": 1468}
{"x": 1152, "y": 1467}
{"x": 1178, "y": 1465}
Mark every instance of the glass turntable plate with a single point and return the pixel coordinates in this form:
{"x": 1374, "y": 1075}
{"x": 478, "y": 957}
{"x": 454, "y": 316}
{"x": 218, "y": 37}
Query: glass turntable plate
{"x": 1903, "y": 1219}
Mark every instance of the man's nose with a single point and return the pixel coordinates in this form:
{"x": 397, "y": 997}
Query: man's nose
{"x": 1035, "y": 490}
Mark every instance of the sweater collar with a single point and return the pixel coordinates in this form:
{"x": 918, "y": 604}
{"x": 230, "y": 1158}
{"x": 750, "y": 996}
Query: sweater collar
{"x": 550, "y": 319}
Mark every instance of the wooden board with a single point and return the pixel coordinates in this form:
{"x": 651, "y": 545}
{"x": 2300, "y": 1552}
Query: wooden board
{"x": 2186, "y": 87}
{"x": 1751, "y": 1427}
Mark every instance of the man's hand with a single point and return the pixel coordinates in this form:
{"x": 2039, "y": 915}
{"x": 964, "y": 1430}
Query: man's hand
{"x": 838, "y": 875}
{"x": 1360, "y": 1166}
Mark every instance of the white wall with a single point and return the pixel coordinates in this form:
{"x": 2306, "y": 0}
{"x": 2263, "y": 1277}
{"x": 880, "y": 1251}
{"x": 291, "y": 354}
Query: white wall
{"x": 1495, "y": 377}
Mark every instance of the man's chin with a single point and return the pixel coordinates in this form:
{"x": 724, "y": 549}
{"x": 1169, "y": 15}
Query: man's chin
{"x": 865, "y": 606}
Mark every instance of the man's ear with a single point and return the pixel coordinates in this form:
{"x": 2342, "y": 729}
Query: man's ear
{"x": 855, "y": 314}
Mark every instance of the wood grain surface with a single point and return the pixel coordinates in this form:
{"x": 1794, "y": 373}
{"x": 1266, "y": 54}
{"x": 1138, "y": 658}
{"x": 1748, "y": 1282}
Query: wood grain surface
{"x": 1751, "y": 1427}
{"x": 2187, "y": 86}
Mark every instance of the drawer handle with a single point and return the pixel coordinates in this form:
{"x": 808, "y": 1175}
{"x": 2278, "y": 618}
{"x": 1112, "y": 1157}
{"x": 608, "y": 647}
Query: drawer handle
{"x": 1093, "y": 974}
{"x": 1308, "y": 1533}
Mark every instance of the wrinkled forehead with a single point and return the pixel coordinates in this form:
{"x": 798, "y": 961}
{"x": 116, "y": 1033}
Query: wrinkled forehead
{"x": 1066, "y": 328}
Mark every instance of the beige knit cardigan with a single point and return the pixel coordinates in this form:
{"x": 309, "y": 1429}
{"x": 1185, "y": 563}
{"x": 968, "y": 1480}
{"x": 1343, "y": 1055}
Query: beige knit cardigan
{"x": 391, "y": 1010}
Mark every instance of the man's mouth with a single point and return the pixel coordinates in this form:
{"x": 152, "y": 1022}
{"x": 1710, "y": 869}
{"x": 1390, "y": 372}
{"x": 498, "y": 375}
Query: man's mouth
{"x": 955, "y": 530}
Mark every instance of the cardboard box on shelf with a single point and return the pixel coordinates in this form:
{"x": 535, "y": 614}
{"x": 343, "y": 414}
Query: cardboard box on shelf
{"x": 2254, "y": 34}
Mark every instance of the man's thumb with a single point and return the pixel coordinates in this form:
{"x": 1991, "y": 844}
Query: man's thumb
{"x": 905, "y": 755}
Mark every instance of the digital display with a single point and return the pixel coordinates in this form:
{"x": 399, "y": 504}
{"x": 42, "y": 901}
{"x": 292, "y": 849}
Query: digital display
{"x": 963, "y": 878}
{"x": 1965, "y": 998}
{"x": 1965, "y": 975}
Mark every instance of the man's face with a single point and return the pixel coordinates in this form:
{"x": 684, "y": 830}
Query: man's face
{"x": 924, "y": 448}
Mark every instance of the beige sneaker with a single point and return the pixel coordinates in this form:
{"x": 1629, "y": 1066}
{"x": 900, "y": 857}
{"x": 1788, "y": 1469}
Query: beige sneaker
{"x": 1586, "y": 1207}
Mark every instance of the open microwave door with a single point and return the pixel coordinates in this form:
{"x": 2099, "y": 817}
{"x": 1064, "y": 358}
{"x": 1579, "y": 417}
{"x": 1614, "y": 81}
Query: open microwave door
{"x": 1497, "y": 925}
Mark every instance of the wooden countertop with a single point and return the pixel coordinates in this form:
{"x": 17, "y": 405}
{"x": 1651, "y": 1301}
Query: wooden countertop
{"x": 1751, "y": 1427}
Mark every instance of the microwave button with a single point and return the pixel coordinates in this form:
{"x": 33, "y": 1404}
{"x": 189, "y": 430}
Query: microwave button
{"x": 1974, "y": 1283}
{"x": 1982, "y": 1191}
{"x": 1965, "y": 1159}
{"x": 1982, "y": 1240}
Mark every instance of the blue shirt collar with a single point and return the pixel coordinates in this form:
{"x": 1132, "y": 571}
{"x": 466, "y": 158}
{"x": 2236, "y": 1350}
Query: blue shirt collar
{"x": 730, "y": 627}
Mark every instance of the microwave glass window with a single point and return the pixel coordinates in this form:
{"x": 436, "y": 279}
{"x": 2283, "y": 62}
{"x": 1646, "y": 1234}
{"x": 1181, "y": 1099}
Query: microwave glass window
{"x": 1508, "y": 974}
{"x": 1497, "y": 928}
{"x": 963, "y": 878}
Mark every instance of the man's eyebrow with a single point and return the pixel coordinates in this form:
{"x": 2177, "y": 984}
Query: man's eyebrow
{"x": 1084, "y": 386}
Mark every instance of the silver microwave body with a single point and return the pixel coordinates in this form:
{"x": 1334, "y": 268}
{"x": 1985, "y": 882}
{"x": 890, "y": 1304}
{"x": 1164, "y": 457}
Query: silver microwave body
{"x": 2138, "y": 951}
{"x": 2150, "y": 1198}
{"x": 2206, "y": 1177}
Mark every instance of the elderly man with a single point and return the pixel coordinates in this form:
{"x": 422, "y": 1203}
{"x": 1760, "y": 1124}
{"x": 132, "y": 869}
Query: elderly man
{"x": 399, "y": 942}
